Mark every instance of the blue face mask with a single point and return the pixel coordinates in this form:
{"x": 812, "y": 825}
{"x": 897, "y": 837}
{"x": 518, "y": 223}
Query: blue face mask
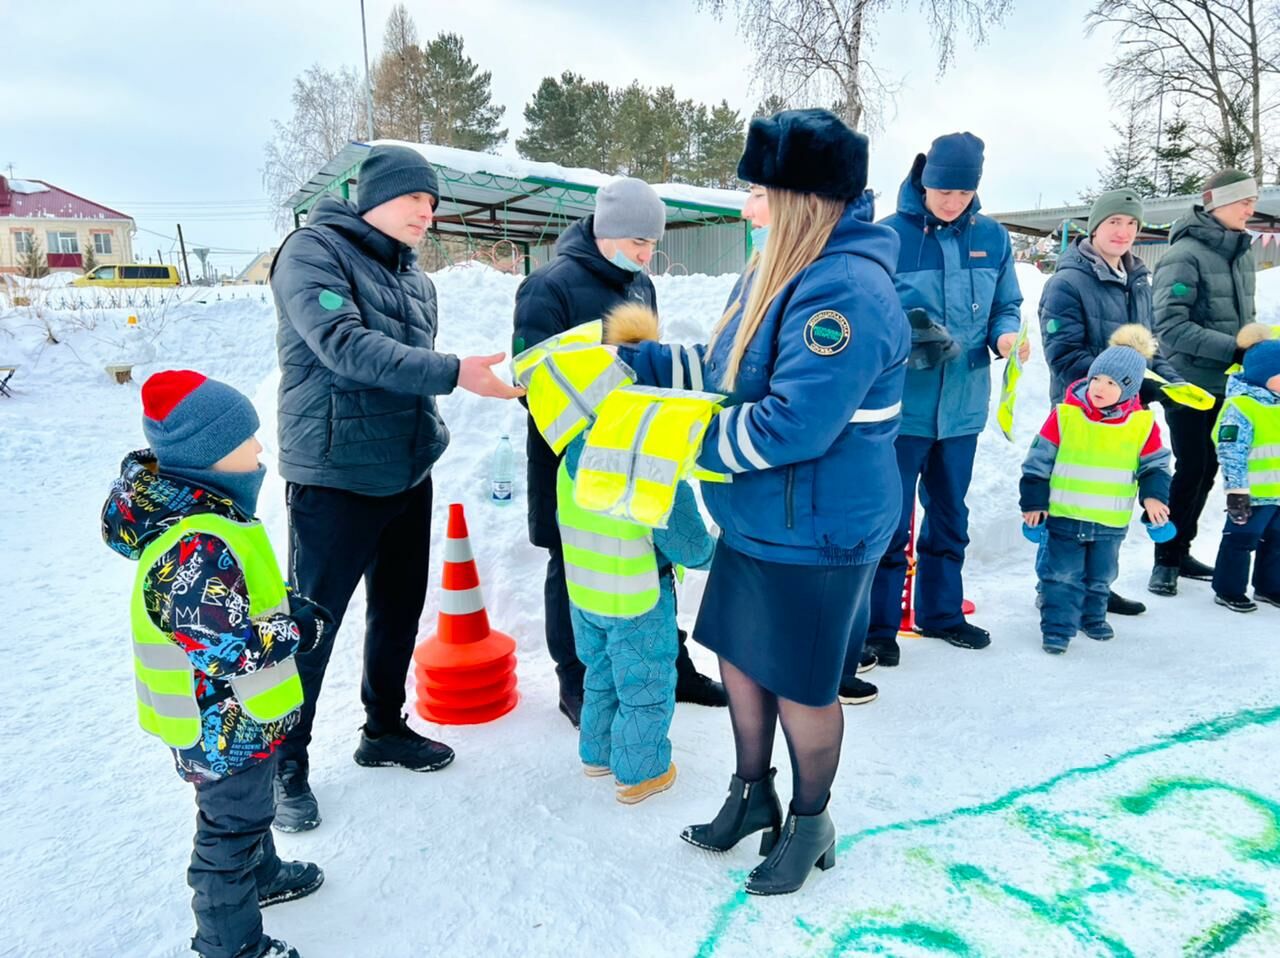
{"x": 759, "y": 236}
{"x": 623, "y": 261}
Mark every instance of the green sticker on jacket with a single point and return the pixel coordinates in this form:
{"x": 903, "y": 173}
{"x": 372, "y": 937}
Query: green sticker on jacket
{"x": 1181, "y": 289}
{"x": 330, "y": 300}
{"x": 1228, "y": 434}
{"x": 1051, "y": 326}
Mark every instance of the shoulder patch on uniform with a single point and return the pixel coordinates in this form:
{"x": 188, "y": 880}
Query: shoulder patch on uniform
{"x": 330, "y": 300}
{"x": 827, "y": 332}
{"x": 1228, "y": 433}
{"x": 1180, "y": 289}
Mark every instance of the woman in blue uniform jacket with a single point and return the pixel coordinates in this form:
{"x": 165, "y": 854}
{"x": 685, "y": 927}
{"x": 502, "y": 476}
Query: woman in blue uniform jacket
{"x": 810, "y": 353}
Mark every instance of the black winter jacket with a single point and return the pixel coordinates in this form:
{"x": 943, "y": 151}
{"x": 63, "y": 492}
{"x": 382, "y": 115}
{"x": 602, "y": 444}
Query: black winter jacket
{"x": 577, "y": 286}
{"x": 358, "y": 367}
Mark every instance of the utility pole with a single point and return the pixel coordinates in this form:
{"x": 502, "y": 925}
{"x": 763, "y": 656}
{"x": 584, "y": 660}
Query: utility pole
{"x": 183, "y": 246}
{"x": 368, "y": 90}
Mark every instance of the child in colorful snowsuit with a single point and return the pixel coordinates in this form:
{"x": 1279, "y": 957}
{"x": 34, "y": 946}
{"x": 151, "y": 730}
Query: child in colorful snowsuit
{"x": 622, "y": 597}
{"x": 1095, "y": 452}
{"x": 215, "y": 630}
{"x": 1248, "y": 440}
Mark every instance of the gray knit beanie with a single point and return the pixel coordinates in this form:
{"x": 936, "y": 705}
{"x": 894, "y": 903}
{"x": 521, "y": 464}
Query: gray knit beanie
{"x": 628, "y": 208}
{"x": 1125, "y": 365}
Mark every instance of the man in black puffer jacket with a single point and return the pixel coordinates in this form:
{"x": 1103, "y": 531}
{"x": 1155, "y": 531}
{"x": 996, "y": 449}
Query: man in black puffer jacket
{"x": 598, "y": 264}
{"x": 359, "y": 433}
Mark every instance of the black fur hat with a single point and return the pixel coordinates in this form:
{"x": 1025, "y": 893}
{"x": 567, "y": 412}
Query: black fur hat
{"x": 808, "y": 151}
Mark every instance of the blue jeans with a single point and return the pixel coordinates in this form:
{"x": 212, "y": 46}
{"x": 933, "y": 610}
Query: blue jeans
{"x": 1261, "y": 534}
{"x": 1076, "y": 564}
{"x": 629, "y": 690}
{"x": 943, "y": 468}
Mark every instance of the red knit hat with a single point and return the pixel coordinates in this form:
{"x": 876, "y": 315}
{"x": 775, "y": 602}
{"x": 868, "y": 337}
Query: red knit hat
{"x": 193, "y": 421}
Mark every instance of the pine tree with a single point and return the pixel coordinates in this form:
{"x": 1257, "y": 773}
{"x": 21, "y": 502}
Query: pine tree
{"x": 1177, "y": 169}
{"x": 457, "y": 98}
{"x": 721, "y": 146}
{"x": 32, "y": 264}
{"x": 770, "y": 105}
{"x": 89, "y": 259}
{"x": 570, "y": 121}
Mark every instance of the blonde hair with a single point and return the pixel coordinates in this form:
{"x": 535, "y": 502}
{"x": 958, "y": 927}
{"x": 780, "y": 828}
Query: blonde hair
{"x": 801, "y": 225}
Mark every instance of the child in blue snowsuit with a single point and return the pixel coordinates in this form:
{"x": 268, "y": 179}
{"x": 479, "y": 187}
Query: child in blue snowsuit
{"x": 1248, "y": 441}
{"x": 629, "y": 692}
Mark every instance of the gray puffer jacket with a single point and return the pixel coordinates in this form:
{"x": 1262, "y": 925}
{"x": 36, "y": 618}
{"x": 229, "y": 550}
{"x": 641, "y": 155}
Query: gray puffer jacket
{"x": 358, "y": 367}
{"x": 1204, "y": 290}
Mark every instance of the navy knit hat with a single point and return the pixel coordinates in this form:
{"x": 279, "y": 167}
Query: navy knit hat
{"x": 191, "y": 421}
{"x": 807, "y": 151}
{"x": 391, "y": 171}
{"x": 1261, "y": 362}
{"x": 1125, "y": 365}
{"x": 954, "y": 162}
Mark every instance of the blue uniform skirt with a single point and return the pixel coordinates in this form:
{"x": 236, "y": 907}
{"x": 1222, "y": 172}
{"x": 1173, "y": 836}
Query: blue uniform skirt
{"x": 788, "y": 627}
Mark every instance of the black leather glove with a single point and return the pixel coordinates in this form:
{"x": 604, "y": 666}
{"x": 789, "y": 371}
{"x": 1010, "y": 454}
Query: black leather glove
{"x": 931, "y": 344}
{"x": 313, "y": 621}
{"x": 1239, "y": 507}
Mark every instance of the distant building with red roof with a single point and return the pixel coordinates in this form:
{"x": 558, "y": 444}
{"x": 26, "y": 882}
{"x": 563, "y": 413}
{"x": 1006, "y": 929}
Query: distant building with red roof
{"x": 64, "y": 225}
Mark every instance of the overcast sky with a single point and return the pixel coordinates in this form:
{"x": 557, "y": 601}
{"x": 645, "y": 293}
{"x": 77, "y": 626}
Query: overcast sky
{"x": 162, "y": 110}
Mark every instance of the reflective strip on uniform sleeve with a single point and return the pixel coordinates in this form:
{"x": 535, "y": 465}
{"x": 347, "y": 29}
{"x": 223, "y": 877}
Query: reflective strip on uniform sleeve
{"x": 677, "y": 367}
{"x": 457, "y": 550}
{"x": 876, "y": 415}
{"x": 695, "y": 369}
{"x": 744, "y": 439}
{"x": 723, "y": 446}
{"x": 461, "y": 601}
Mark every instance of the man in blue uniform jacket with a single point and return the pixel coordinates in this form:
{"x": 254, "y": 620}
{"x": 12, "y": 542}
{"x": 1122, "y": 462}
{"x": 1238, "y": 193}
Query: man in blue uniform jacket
{"x": 957, "y": 266}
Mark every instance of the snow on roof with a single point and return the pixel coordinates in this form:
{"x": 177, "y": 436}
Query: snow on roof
{"x": 470, "y": 161}
{"x": 36, "y": 198}
{"x": 27, "y": 186}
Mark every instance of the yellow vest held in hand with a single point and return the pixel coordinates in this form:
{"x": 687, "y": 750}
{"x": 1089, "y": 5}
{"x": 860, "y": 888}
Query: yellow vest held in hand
{"x": 643, "y": 443}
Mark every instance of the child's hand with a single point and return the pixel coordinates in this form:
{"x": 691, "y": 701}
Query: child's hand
{"x": 1157, "y": 511}
{"x": 1034, "y": 519}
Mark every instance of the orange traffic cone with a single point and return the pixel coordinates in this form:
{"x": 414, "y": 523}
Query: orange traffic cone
{"x": 465, "y": 672}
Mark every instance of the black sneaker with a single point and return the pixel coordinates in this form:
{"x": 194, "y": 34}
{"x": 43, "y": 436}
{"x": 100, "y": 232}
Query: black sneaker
{"x": 1268, "y": 599}
{"x": 571, "y": 707}
{"x": 1191, "y": 568}
{"x": 886, "y": 651}
{"x": 1119, "y": 605}
{"x": 699, "y": 689}
{"x": 868, "y": 661}
{"x": 1236, "y": 603}
{"x": 294, "y": 880}
{"x": 963, "y": 636}
{"x": 1164, "y": 580}
{"x": 856, "y": 692}
{"x": 296, "y": 806}
{"x": 403, "y": 748}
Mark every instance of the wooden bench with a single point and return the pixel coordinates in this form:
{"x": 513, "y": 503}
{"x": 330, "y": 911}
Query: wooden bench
{"x": 6, "y": 373}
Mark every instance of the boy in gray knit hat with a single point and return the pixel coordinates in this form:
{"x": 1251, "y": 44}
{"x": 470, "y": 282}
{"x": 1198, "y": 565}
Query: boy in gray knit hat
{"x": 1095, "y": 453}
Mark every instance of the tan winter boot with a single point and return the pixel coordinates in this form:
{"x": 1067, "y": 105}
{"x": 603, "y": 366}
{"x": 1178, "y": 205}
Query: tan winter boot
{"x": 631, "y": 794}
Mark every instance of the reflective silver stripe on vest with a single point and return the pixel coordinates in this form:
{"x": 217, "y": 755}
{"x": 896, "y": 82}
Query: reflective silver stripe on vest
{"x": 677, "y": 367}
{"x": 605, "y": 545}
{"x": 168, "y": 706}
{"x": 461, "y": 601}
{"x": 876, "y": 415}
{"x": 608, "y": 582}
{"x": 1264, "y": 452}
{"x": 457, "y": 550}
{"x": 1264, "y": 477}
{"x": 610, "y": 378}
{"x": 723, "y": 446}
{"x": 621, "y": 462}
{"x": 744, "y": 439}
{"x": 162, "y": 656}
{"x": 1088, "y": 500}
{"x": 251, "y": 684}
{"x": 563, "y": 424}
{"x": 1093, "y": 473}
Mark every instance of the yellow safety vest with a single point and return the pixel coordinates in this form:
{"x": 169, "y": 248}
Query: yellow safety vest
{"x": 643, "y": 443}
{"x": 567, "y": 386}
{"x": 1264, "y": 453}
{"x": 1095, "y": 475}
{"x": 163, "y": 674}
{"x": 586, "y": 334}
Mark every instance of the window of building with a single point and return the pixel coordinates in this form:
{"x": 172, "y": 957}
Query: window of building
{"x": 102, "y": 243}
{"x": 60, "y": 242}
{"x": 22, "y": 241}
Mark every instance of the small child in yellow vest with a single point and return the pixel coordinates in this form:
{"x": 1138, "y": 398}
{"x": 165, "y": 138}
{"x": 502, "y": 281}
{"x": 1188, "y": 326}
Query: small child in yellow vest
{"x": 1095, "y": 453}
{"x": 1248, "y": 440}
{"x": 215, "y": 630}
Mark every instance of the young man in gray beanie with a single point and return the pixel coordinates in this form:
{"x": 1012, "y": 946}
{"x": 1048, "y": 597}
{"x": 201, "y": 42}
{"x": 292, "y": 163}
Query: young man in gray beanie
{"x": 359, "y": 434}
{"x": 1204, "y": 296}
{"x": 599, "y": 264}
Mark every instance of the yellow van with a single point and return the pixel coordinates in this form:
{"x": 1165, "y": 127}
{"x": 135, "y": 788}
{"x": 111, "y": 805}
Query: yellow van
{"x": 130, "y": 276}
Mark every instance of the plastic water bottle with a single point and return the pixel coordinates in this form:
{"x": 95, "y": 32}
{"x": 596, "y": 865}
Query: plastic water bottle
{"x": 502, "y": 472}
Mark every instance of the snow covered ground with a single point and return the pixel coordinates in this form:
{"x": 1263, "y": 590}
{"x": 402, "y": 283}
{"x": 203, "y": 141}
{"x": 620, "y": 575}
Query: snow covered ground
{"x": 1120, "y": 800}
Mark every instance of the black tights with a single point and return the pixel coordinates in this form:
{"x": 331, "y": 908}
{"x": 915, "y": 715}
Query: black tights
{"x": 813, "y": 738}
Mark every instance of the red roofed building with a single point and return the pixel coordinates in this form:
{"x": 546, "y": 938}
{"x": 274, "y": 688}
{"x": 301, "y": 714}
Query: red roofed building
{"x": 62, "y": 223}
